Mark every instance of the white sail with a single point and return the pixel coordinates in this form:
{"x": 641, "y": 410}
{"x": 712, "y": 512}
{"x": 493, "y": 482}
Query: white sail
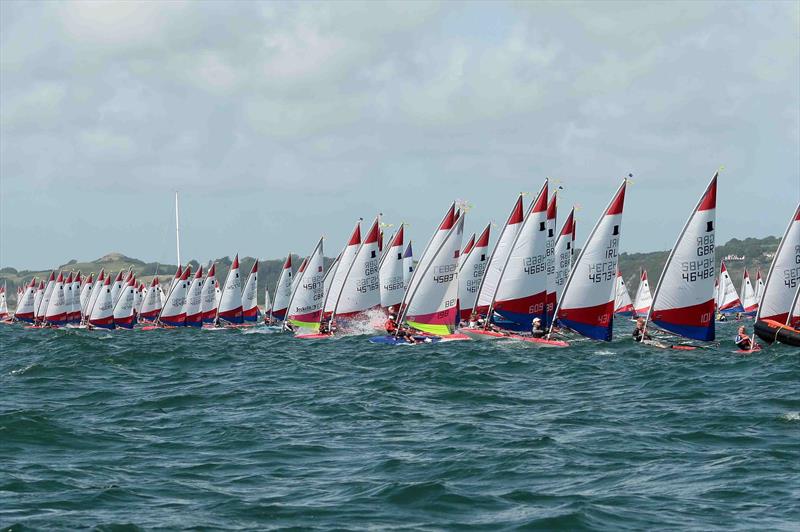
{"x": 102, "y": 314}
{"x": 432, "y": 303}
{"x": 172, "y": 313}
{"x": 335, "y": 282}
{"x": 728, "y": 299}
{"x": 208, "y": 306}
{"x": 470, "y": 272}
{"x": 86, "y": 294}
{"x": 45, "y": 300}
{"x": 521, "y": 293}
{"x": 391, "y": 271}
{"x": 283, "y": 290}
{"x": 643, "y": 298}
{"x": 151, "y": 305}
{"x": 25, "y": 303}
{"x": 58, "y": 304}
{"x": 622, "y": 300}
{"x": 499, "y": 258}
{"x": 783, "y": 277}
{"x": 250, "y": 295}
{"x": 361, "y": 285}
{"x": 683, "y": 302}
{"x": 587, "y": 303}
{"x": 305, "y": 305}
{"x": 123, "y": 308}
{"x": 3, "y": 303}
{"x": 192, "y": 307}
{"x": 230, "y": 304}
{"x": 116, "y": 287}
{"x": 749, "y": 301}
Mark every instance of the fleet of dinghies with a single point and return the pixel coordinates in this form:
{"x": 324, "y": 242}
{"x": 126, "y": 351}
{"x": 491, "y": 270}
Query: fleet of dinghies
{"x": 528, "y": 287}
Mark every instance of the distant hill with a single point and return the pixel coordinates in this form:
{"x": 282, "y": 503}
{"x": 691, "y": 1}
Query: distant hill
{"x": 757, "y": 252}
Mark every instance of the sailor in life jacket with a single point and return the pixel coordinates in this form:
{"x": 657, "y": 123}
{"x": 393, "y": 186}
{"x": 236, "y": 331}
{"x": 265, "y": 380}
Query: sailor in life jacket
{"x": 743, "y": 341}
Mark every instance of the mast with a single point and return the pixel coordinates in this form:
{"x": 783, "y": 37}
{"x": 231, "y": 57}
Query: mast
{"x": 177, "y": 229}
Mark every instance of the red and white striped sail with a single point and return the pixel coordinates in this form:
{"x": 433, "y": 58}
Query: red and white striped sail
{"x": 522, "y": 290}
{"x": 93, "y": 294}
{"x": 361, "y": 289}
{"x": 44, "y": 303}
{"x": 250, "y": 295}
{"x": 391, "y": 271}
{"x": 102, "y": 313}
{"x": 551, "y": 300}
{"x": 283, "y": 290}
{"x": 431, "y": 304}
{"x": 564, "y": 247}
{"x": 208, "y": 305}
{"x": 305, "y": 305}
{"x": 622, "y": 299}
{"x": 335, "y": 281}
{"x": 123, "y": 309}
{"x": 783, "y": 277}
{"x": 683, "y": 302}
{"x": 728, "y": 300}
{"x": 470, "y": 272}
{"x": 230, "y": 304}
{"x": 499, "y": 257}
{"x": 749, "y": 301}
{"x": 587, "y": 304}
{"x": 151, "y": 305}
{"x": 408, "y": 265}
{"x": 25, "y": 303}
{"x": 644, "y": 298}
{"x": 173, "y": 313}
{"x": 59, "y": 304}
{"x": 192, "y": 307}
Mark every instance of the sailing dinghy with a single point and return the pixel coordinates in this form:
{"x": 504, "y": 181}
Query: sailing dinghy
{"x": 194, "y": 301}
{"x": 307, "y": 299}
{"x": 777, "y": 317}
{"x": 208, "y": 305}
{"x": 431, "y": 303}
{"x": 25, "y": 304}
{"x": 250, "y": 296}
{"x": 622, "y": 300}
{"x": 683, "y": 303}
{"x": 123, "y": 314}
{"x": 391, "y": 271}
{"x": 58, "y": 304}
{"x": 643, "y": 299}
{"x": 470, "y": 271}
{"x": 102, "y": 313}
{"x": 749, "y": 301}
{"x": 151, "y": 305}
{"x": 728, "y": 301}
{"x": 230, "y": 303}
{"x": 283, "y": 291}
{"x": 586, "y": 305}
{"x": 3, "y": 303}
{"x": 172, "y": 314}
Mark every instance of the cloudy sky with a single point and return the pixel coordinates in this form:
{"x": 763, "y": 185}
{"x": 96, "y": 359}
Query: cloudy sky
{"x": 281, "y": 122}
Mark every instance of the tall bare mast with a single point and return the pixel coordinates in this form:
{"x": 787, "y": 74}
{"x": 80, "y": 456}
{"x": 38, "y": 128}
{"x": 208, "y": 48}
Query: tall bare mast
{"x": 177, "y": 229}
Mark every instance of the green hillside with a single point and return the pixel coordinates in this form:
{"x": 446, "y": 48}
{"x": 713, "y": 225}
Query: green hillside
{"x": 757, "y": 252}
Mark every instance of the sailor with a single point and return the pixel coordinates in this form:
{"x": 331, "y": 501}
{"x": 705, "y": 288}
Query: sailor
{"x": 391, "y": 325}
{"x": 743, "y": 341}
{"x": 721, "y": 317}
{"x": 639, "y": 333}
{"x": 473, "y": 320}
{"x": 536, "y": 328}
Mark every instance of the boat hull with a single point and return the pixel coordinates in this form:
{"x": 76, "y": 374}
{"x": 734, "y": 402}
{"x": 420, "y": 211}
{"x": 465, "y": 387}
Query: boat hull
{"x": 772, "y": 331}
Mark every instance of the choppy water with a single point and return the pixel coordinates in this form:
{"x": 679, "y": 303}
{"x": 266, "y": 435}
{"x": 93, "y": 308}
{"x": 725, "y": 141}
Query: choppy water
{"x": 226, "y": 430}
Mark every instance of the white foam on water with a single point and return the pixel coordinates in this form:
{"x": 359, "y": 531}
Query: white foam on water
{"x": 791, "y": 416}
